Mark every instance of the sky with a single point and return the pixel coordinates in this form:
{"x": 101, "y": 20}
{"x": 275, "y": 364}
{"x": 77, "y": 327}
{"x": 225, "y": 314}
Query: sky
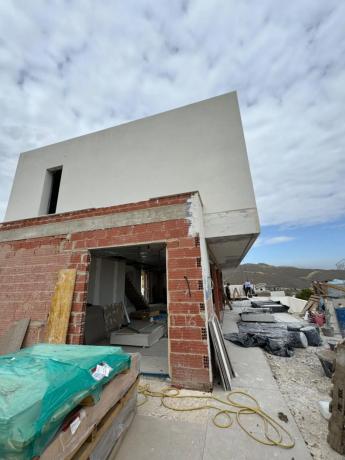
{"x": 70, "y": 67}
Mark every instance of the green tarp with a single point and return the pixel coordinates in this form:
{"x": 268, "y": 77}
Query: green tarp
{"x": 40, "y": 385}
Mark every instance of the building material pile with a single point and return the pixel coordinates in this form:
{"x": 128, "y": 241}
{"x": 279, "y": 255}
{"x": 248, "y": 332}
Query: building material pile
{"x": 276, "y": 338}
{"x": 224, "y": 366}
{"x": 54, "y": 397}
{"x": 14, "y": 337}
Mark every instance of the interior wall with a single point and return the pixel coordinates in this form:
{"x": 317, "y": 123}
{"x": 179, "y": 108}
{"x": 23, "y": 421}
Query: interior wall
{"x": 107, "y": 281}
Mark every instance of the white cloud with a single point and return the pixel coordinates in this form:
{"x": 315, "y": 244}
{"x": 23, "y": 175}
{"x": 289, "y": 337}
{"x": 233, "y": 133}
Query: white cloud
{"x": 68, "y": 68}
{"x": 268, "y": 241}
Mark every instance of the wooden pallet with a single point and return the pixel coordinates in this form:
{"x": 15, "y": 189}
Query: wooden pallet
{"x": 312, "y": 304}
{"x": 100, "y": 429}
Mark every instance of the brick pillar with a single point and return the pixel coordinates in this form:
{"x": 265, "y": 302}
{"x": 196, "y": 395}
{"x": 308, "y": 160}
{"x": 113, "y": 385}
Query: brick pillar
{"x": 188, "y": 344}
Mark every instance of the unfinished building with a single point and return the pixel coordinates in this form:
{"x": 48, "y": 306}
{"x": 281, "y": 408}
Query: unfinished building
{"x": 148, "y": 213}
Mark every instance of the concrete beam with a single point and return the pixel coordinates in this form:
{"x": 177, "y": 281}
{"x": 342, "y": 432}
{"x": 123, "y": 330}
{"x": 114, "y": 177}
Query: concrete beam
{"x": 238, "y": 222}
{"x": 120, "y": 219}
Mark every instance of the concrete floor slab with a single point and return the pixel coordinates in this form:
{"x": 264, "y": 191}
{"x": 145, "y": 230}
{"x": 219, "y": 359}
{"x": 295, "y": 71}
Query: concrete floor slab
{"x": 157, "y": 433}
{"x": 154, "y": 365}
{"x": 151, "y": 438}
{"x": 154, "y": 359}
{"x": 157, "y": 349}
{"x": 270, "y": 401}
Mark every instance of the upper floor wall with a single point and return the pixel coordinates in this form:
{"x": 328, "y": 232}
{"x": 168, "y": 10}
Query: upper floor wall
{"x": 197, "y": 147}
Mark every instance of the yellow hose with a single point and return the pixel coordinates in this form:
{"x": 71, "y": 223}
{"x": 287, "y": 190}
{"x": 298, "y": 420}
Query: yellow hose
{"x": 239, "y": 410}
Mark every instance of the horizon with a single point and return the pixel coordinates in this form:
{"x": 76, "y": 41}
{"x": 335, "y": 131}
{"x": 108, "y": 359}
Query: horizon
{"x": 289, "y": 82}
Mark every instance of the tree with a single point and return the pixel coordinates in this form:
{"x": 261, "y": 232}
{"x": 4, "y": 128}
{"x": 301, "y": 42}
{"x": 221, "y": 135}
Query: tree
{"x": 304, "y": 294}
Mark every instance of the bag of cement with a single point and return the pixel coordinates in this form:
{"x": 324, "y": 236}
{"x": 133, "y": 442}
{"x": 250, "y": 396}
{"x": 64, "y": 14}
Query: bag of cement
{"x": 297, "y": 339}
{"x": 313, "y": 336}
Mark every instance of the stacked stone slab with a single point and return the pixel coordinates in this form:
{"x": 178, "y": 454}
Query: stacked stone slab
{"x": 336, "y": 425}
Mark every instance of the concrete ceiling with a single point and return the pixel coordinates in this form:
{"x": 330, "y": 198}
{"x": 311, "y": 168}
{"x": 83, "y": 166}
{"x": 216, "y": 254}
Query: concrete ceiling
{"x": 145, "y": 254}
{"x": 229, "y": 251}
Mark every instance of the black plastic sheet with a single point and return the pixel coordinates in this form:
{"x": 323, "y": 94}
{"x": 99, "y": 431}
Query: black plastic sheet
{"x": 273, "y": 337}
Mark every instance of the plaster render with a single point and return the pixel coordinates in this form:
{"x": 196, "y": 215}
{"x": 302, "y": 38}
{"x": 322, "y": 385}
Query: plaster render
{"x": 197, "y": 147}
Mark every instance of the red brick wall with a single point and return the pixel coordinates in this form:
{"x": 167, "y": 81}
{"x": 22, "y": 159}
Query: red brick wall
{"x": 187, "y": 330}
{"x": 28, "y": 273}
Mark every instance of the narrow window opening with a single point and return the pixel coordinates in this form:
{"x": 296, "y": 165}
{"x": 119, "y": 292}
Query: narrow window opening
{"x": 54, "y": 190}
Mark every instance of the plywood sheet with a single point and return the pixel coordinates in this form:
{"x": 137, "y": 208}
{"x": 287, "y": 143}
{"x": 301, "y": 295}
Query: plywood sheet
{"x": 13, "y": 339}
{"x": 61, "y": 307}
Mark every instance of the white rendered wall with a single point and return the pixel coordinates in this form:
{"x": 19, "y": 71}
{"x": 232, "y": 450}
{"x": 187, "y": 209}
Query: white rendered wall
{"x": 197, "y": 147}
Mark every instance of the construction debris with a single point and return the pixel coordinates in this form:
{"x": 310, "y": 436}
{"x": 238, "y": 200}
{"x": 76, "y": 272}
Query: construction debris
{"x": 12, "y": 341}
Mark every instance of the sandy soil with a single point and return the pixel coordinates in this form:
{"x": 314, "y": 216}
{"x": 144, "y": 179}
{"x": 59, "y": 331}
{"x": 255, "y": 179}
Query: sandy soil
{"x": 303, "y": 384}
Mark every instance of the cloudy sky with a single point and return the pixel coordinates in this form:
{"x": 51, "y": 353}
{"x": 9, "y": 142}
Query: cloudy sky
{"x": 75, "y": 66}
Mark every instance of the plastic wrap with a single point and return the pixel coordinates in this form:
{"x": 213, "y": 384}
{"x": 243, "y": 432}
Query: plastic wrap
{"x": 272, "y": 337}
{"x": 297, "y": 339}
{"x": 41, "y": 384}
{"x": 336, "y": 293}
{"x": 313, "y": 335}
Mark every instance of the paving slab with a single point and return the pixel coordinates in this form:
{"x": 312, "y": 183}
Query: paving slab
{"x": 158, "y": 434}
{"x": 220, "y": 442}
{"x": 151, "y": 438}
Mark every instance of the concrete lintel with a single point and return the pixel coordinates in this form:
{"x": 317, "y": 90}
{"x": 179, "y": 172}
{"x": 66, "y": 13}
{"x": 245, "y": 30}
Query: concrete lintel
{"x": 121, "y": 219}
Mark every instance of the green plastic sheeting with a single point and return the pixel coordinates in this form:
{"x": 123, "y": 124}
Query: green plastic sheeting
{"x": 40, "y": 385}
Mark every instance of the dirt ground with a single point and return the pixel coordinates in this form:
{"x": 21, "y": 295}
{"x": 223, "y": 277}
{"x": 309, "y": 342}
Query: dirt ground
{"x": 303, "y": 384}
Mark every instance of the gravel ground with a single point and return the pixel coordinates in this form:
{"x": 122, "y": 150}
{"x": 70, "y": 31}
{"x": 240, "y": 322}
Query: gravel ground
{"x": 303, "y": 384}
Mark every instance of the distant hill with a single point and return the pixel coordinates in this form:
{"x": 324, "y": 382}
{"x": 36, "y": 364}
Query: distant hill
{"x": 284, "y": 277}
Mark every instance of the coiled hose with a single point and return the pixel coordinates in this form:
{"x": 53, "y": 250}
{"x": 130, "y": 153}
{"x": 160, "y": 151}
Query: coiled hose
{"x": 281, "y": 438}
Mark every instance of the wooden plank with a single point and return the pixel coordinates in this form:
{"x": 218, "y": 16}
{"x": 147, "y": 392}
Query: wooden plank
{"x": 13, "y": 339}
{"x": 313, "y": 302}
{"x": 335, "y": 286}
{"x": 61, "y": 307}
{"x": 85, "y": 450}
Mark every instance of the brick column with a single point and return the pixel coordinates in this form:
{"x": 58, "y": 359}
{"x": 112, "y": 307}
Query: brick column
{"x": 188, "y": 346}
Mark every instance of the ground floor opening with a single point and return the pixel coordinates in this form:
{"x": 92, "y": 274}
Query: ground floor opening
{"x": 127, "y": 302}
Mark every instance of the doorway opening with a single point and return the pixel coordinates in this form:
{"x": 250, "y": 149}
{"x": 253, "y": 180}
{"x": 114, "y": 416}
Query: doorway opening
{"x": 127, "y": 303}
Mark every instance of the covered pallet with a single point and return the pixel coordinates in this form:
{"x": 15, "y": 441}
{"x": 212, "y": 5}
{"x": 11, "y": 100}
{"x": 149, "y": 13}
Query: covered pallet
{"x": 93, "y": 431}
{"x": 40, "y": 385}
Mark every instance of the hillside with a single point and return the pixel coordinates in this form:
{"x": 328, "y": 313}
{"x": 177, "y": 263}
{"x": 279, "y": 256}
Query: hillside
{"x": 285, "y": 277}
